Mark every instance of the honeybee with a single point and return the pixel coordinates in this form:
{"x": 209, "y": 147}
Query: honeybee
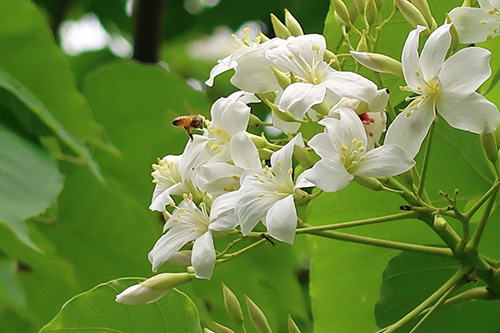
{"x": 189, "y": 123}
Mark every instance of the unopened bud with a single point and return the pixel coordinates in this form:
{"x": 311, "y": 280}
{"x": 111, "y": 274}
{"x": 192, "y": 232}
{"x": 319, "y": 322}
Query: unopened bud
{"x": 423, "y": 8}
{"x": 221, "y": 328}
{"x": 490, "y": 146}
{"x": 360, "y": 5}
{"x": 263, "y": 37}
{"x": 378, "y": 62}
{"x": 265, "y": 154}
{"x": 254, "y": 121}
{"x": 303, "y": 157}
{"x": 408, "y": 177}
{"x": 353, "y": 11}
{"x": 167, "y": 280}
{"x": 285, "y": 116}
{"x": 440, "y": 223}
{"x": 379, "y": 3}
{"x": 454, "y": 35}
{"x": 283, "y": 80}
{"x": 411, "y": 13}
{"x": 207, "y": 330}
{"x": 292, "y": 327}
{"x": 292, "y": 24}
{"x": 371, "y": 12}
{"x": 369, "y": 182}
{"x": 259, "y": 141}
{"x": 341, "y": 12}
{"x": 280, "y": 30}
{"x": 257, "y": 317}
{"x": 232, "y": 305}
{"x": 332, "y": 59}
{"x": 362, "y": 45}
{"x": 466, "y": 3}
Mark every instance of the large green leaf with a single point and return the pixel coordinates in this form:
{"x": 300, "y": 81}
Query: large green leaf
{"x": 28, "y": 52}
{"x": 96, "y": 310}
{"x": 19, "y": 100}
{"x": 410, "y": 278}
{"x": 29, "y": 182}
{"x": 11, "y": 293}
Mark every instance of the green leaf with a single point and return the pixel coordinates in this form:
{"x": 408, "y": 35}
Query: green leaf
{"x": 23, "y": 103}
{"x": 11, "y": 293}
{"x": 29, "y": 182}
{"x": 29, "y": 53}
{"x": 96, "y": 310}
{"x": 410, "y": 278}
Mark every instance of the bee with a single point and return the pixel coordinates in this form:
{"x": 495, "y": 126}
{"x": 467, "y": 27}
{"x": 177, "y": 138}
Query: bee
{"x": 189, "y": 123}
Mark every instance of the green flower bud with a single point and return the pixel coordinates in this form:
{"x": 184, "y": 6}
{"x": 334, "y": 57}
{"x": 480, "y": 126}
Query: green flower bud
{"x": 265, "y": 154}
{"x": 466, "y": 3}
{"x": 440, "y": 223}
{"x": 378, "y": 62}
{"x": 221, "y": 328}
{"x": 379, "y": 3}
{"x": 371, "y": 12}
{"x": 332, "y": 59}
{"x": 292, "y": 327}
{"x": 362, "y": 45}
{"x": 283, "y": 80}
{"x": 369, "y": 182}
{"x": 454, "y": 36}
{"x": 207, "y": 330}
{"x": 490, "y": 146}
{"x": 292, "y": 24}
{"x": 254, "y": 121}
{"x": 263, "y": 38}
{"x": 353, "y": 11}
{"x": 423, "y": 7}
{"x": 168, "y": 281}
{"x": 257, "y": 317}
{"x": 408, "y": 177}
{"x": 411, "y": 14}
{"x": 280, "y": 30}
{"x": 341, "y": 12}
{"x": 360, "y": 5}
{"x": 303, "y": 157}
{"x": 285, "y": 116}
{"x": 232, "y": 305}
{"x": 259, "y": 141}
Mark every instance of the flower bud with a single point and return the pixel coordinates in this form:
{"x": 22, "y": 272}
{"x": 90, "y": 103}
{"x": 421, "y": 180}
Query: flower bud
{"x": 153, "y": 288}
{"x": 411, "y": 13}
{"x": 221, "y": 328}
{"x": 265, "y": 154}
{"x": 360, "y": 5}
{"x": 257, "y": 317}
{"x": 362, "y": 45}
{"x": 440, "y": 223}
{"x": 260, "y": 141}
{"x": 341, "y": 12}
{"x": 423, "y": 8}
{"x": 379, "y": 3}
{"x": 283, "y": 80}
{"x": 303, "y": 157}
{"x": 292, "y": 24}
{"x": 332, "y": 59}
{"x": 371, "y": 12}
{"x": 207, "y": 330}
{"x": 263, "y": 38}
{"x": 292, "y": 327}
{"x": 408, "y": 177}
{"x": 353, "y": 11}
{"x": 454, "y": 35}
{"x": 466, "y": 3}
{"x": 280, "y": 30}
{"x": 378, "y": 62}
{"x": 232, "y": 305}
{"x": 490, "y": 146}
{"x": 285, "y": 116}
{"x": 369, "y": 182}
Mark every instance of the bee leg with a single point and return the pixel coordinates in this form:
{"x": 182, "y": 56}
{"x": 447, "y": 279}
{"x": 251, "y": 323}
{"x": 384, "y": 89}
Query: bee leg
{"x": 188, "y": 131}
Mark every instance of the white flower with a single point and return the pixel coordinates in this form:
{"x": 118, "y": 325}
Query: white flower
{"x": 139, "y": 294}
{"x": 314, "y": 79}
{"x": 172, "y": 175}
{"x": 252, "y": 70}
{"x": 230, "y": 116}
{"x": 447, "y": 87}
{"x": 344, "y": 155}
{"x": 477, "y": 24}
{"x": 220, "y": 177}
{"x": 267, "y": 195}
{"x": 188, "y": 223}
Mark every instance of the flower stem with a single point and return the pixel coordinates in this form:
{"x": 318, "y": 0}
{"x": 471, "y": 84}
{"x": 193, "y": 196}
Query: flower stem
{"x": 394, "y": 217}
{"x": 455, "y": 279}
{"x": 478, "y": 233}
{"x": 437, "y": 251}
{"x": 482, "y": 200}
{"x": 230, "y": 256}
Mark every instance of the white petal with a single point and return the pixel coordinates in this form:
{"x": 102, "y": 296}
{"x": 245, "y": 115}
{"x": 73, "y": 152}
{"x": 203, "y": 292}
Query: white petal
{"x": 409, "y": 132}
{"x": 300, "y": 97}
{"x": 385, "y": 161}
{"x": 281, "y": 220}
{"x": 434, "y": 51}
{"x": 284, "y": 156}
{"x": 410, "y": 61}
{"x": 163, "y": 198}
{"x": 465, "y": 71}
{"x": 168, "y": 245}
{"x": 328, "y": 177}
{"x": 192, "y": 152}
{"x": 203, "y": 256}
{"x": 222, "y": 213}
{"x": 469, "y": 27}
{"x": 214, "y": 177}
{"x": 352, "y": 85}
{"x": 352, "y": 126}
{"x": 235, "y": 118}
{"x": 243, "y": 151}
{"x": 285, "y": 126}
{"x": 324, "y": 145}
{"x": 473, "y": 113}
{"x": 222, "y": 66}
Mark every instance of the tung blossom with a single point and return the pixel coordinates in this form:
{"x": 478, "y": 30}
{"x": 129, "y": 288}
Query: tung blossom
{"x": 476, "y": 25}
{"x": 188, "y": 223}
{"x": 446, "y": 86}
{"x": 344, "y": 155}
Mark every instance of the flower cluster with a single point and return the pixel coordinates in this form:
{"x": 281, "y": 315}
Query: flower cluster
{"x": 230, "y": 180}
